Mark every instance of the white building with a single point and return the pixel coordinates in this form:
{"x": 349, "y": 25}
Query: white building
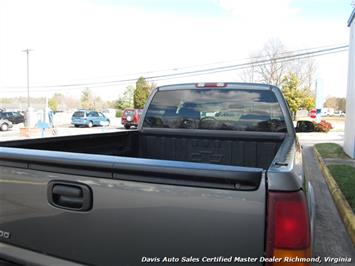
{"x": 349, "y": 134}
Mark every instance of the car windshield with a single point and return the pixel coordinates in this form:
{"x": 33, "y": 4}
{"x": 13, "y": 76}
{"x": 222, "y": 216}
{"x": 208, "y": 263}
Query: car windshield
{"x": 217, "y": 109}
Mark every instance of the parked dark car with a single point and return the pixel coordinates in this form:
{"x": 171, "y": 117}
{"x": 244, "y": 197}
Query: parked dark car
{"x": 5, "y": 124}
{"x": 14, "y": 117}
{"x": 89, "y": 118}
{"x": 131, "y": 117}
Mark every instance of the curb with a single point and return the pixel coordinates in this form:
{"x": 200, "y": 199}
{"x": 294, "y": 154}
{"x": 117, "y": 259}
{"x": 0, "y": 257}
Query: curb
{"x": 342, "y": 205}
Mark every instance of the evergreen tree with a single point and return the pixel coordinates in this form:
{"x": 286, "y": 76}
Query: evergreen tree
{"x": 141, "y": 93}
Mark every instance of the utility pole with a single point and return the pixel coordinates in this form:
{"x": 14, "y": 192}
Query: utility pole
{"x": 27, "y": 51}
{"x": 319, "y": 99}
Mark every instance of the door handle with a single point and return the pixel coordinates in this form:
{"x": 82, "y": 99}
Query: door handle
{"x": 69, "y": 195}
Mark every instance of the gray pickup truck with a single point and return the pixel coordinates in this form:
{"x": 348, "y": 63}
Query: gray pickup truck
{"x": 213, "y": 174}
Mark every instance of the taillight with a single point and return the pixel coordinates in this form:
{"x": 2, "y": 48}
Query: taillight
{"x": 288, "y": 228}
{"x": 210, "y": 85}
{"x": 135, "y": 117}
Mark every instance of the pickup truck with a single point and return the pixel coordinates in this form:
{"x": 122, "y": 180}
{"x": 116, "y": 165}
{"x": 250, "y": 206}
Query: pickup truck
{"x": 213, "y": 174}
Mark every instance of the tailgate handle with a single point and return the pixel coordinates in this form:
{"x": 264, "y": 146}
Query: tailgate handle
{"x": 69, "y": 195}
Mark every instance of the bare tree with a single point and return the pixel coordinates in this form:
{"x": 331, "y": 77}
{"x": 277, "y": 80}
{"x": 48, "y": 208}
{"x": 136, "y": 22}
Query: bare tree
{"x": 270, "y": 66}
{"x": 248, "y": 74}
{"x": 305, "y": 69}
{"x": 336, "y": 103}
{"x": 271, "y": 72}
{"x": 87, "y": 99}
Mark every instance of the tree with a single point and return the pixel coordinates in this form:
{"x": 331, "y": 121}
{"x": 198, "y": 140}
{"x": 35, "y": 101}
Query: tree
{"x": 99, "y": 104}
{"x": 336, "y": 103}
{"x": 87, "y": 99}
{"x": 126, "y": 100}
{"x": 309, "y": 101}
{"x": 291, "y": 92}
{"x": 342, "y": 104}
{"x": 141, "y": 93}
{"x": 56, "y": 101}
{"x": 330, "y": 102}
{"x": 295, "y": 96}
{"x": 53, "y": 104}
{"x": 305, "y": 70}
{"x": 266, "y": 66}
{"x": 63, "y": 102}
{"x": 272, "y": 71}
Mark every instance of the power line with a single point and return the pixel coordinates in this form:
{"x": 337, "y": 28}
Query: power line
{"x": 232, "y": 67}
{"x": 290, "y": 57}
{"x": 144, "y": 73}
{"x": 251, "y": 65}
{"x": 252, "y": 57}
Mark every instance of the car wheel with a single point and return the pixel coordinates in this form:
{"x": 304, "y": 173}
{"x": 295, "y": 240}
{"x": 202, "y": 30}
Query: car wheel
{"x": 127, "y": 126}
{"x": 4, "y": 127}
{"x": 90, "y": 124}
{"x": 108, "y": 122}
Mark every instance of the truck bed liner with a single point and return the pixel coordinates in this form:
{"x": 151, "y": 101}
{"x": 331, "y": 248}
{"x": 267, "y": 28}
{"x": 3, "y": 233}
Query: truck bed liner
{"x": 248, "y": 149}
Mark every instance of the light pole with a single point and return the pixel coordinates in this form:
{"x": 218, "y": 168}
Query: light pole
{"x": 27, "y": 121}
{"x": 319, "y": 99}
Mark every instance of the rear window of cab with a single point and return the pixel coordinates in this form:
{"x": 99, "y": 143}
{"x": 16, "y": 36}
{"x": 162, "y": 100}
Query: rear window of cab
{"x": 79, "y": 114}
{"x": 217, "y": 109}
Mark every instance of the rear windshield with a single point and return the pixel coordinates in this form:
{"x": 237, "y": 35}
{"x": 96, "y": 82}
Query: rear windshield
{"x": 79, "y": 114}
{"x": 217, "y": 109}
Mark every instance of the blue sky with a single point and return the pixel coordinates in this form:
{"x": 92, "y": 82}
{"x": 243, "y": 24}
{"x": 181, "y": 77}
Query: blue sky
{"x": 94, "y": 41}
{"x": 309, "y": 9}
{"x": 182, "y": 7}
{"x": 317, "y": 9}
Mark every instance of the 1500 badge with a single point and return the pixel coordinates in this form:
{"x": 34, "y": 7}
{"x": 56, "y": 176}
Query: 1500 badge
{"x": 4, "y": 234}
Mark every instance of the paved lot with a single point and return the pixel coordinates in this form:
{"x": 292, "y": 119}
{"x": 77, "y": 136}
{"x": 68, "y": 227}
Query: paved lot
{"x": 64, "y": 130}
{"x": 331, "y": 238}
{"x": 309, "y": 139}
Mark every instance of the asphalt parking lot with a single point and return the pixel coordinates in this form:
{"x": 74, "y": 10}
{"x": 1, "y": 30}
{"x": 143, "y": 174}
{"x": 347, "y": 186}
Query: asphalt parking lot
{"x": 61, "y": 130}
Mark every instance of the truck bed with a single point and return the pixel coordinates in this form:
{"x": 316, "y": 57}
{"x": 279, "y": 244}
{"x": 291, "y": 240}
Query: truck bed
{"x": 141, "y": 208}
{"x": 248, "y": 149}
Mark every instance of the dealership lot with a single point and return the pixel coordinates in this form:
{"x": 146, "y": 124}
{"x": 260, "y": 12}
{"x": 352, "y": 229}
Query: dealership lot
{"x": 61, "y": 130}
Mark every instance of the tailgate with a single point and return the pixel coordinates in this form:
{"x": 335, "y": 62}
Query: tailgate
{"x": 138, "y": 214}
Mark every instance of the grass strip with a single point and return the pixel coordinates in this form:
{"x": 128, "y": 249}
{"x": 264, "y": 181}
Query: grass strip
{"x": 344, "y": 175}
{"x": 331, "y": 150}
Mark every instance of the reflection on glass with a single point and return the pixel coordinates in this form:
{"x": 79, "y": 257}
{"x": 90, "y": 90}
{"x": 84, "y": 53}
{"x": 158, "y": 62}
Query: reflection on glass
{"x": 217, "y": 109}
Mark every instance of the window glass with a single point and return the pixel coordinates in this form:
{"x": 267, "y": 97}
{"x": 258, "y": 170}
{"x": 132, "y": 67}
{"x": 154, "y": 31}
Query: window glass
{"x": 218, "y": 109}
{"x": 79, "y": 114}
{"x": 129, "y": 113}
{"x": 93, "y": 114}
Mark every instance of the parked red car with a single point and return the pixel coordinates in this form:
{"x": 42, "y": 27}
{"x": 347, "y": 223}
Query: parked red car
{"x": 130, "y": 117}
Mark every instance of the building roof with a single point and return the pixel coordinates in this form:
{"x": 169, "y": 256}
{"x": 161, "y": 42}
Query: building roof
{"x": 352, "y": 16}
